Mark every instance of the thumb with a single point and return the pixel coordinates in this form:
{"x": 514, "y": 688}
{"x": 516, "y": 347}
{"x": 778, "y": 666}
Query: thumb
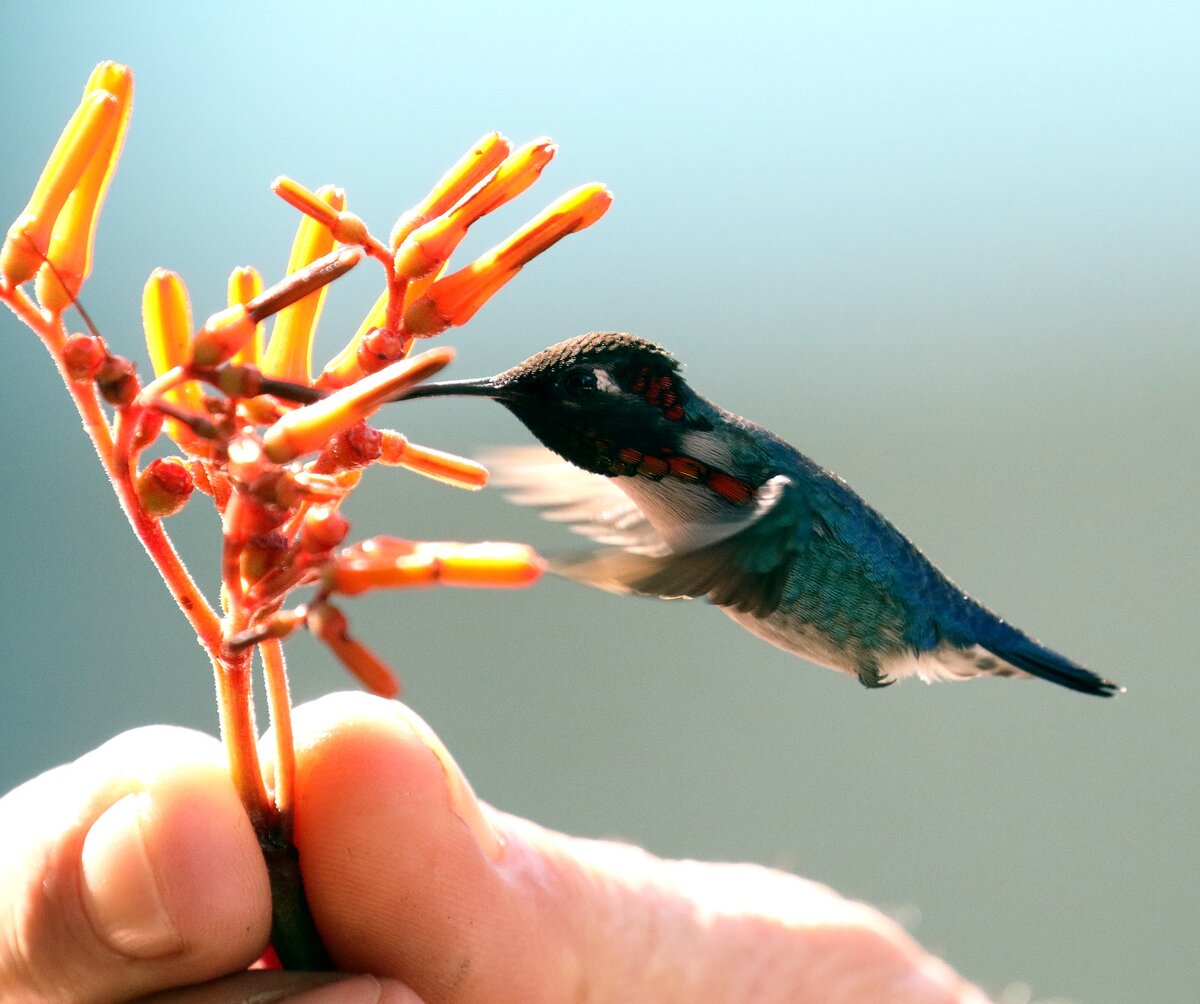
{"x": 410, "y": 876}
{"x": 132, "y": 869}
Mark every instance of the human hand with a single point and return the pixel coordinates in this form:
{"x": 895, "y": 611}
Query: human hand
{"x": 134, "y": 871}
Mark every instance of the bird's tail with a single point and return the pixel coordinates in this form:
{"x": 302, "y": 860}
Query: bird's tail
{"x": 1032, "y": 657}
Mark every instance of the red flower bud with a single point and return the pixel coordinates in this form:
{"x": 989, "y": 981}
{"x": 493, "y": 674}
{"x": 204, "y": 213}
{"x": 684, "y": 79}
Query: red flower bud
{"x": 323, "y": 529}
{"x": 83, "y": 355}
{"x": 164, "y": 486}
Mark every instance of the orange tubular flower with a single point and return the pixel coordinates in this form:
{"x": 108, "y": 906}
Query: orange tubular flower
{"x": 454, "y": 299}
{"x": 406, "y": 565}
{"x": 29, "y": 237}
{"x": 347, "y": 228}
{"x": 309, "y": 428}
{"x": 445, "y": 467}
{"x": 167, "y": 319}
{"x": 474, "y": 165}
{"x": 278, "y": 455}
{"x": 329, "y": 624}
{"x": 431, "y": 244}
{"x": 289, "y": 353}
{"x": 244, "y": 285}
{"x": 70, "y": 253}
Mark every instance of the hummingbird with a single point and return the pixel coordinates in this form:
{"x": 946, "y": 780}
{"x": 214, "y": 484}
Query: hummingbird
{"x": 696, "y": 501}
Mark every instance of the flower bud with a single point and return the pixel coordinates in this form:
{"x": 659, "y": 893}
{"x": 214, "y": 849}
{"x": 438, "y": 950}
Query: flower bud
{"x": 83, "y": 355}
{"x": 260, "y": 555}
{"x": 117, "y": 381}
{"x": 322, "y": 529}
{"x": 164, "y": 486}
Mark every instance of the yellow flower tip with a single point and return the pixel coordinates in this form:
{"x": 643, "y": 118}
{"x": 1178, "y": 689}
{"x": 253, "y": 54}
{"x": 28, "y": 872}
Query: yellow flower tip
{"x": 305, "y": 200}
{"x": 345, "y": 227}
{"x": 453, "y": 300}
{"x": 71, "y": 243}
{"x": 167, "y": 320}
{"x": 223, "y": 336}
{"x": 289, "y": 352}
{"x": 520, "y": 170}
{"x": 570, "y": 213}
{"x": 431, "y": 244}
{"x": 308, "y": 429}
{"x": 486, "y": 565}
{"x": 475, "y": 165}
{"x": 458, "y": 472}
{"x": 80, "y": 142}
{"x": 244, "y": 285}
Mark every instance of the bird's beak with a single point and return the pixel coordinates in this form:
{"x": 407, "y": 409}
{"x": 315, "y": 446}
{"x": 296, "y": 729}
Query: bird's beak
{"x": 483, "y": 387}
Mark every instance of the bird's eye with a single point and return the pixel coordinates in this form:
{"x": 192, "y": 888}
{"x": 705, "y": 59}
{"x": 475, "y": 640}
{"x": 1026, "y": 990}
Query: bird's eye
{"x": 579, "y": 382}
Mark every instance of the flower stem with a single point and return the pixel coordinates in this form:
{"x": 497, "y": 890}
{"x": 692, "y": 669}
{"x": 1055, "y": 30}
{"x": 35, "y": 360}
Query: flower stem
{"x": 279, "y": 706}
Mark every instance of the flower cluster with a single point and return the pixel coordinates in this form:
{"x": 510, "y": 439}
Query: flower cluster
{"x": 276, "y": 445}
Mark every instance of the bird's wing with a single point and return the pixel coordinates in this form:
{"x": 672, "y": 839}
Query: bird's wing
{"x": 745, "y": 568}
{"x": 743, "y": 563}
{"x": 591, "y": 504}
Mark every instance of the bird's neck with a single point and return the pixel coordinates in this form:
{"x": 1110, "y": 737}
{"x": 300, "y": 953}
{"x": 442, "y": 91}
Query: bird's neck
{"x": 707, "y": 476}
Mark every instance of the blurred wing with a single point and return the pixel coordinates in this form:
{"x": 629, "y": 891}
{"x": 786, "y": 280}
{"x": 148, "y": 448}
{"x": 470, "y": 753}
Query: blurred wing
{"x": 593, "y": 505}
{"x": 745, "y": 568}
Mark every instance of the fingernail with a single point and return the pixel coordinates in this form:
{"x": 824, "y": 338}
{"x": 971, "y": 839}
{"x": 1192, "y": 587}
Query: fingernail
{"x": 120, "y": 885}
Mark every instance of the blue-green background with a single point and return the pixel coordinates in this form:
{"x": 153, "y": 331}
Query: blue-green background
{"x": 950, "y": 250}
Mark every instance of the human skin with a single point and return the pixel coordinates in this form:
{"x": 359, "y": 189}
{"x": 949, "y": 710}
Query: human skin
{"x": 133, "y": 871}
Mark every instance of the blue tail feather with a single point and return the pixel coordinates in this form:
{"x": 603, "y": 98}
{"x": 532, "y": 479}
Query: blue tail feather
{"x": 1035, "y": 659}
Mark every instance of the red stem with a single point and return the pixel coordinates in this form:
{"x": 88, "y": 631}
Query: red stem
{"x": 234, "y": 694}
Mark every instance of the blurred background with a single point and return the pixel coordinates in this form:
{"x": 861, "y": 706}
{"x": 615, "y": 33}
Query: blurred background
{"x": 950, "y": 251}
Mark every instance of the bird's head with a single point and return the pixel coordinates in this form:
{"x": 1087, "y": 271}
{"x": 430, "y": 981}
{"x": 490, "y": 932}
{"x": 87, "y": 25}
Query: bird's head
{"x": 608, "y": 402}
